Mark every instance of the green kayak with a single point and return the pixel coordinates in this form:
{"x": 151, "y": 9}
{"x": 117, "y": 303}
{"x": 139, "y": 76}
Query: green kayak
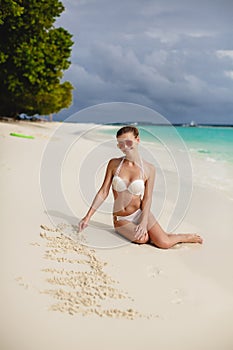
{"x": 22, "y": 135}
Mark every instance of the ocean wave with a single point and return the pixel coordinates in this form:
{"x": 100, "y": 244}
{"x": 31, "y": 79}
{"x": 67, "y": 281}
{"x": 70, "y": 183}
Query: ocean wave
{"x": 203, "y": 151}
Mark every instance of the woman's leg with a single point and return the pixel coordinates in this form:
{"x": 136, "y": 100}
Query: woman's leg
{"x": 166, "y": 240}
{"x": 127, "y": 229}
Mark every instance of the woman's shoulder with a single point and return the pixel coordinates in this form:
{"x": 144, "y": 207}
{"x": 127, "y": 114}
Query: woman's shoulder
{"x": 114, "y": 162}
{"x": 149, "y": 168}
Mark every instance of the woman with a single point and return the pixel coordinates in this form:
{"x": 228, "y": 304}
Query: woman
{"x": 132, "y": 181}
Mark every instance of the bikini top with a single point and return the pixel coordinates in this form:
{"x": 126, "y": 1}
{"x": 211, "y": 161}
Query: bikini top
{"x": 136, "y": 187}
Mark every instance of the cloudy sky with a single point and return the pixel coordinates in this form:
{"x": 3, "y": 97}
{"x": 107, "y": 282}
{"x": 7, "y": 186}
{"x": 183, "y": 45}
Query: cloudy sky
{"x": 174, "y": 56}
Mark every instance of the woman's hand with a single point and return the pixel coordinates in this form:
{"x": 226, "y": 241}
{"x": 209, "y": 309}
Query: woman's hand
{"x": 141, "y": 230}
{"x": 83, "y": 223}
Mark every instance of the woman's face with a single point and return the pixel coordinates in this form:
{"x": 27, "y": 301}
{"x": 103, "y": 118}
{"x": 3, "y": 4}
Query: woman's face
{"x": 127, "y": 142}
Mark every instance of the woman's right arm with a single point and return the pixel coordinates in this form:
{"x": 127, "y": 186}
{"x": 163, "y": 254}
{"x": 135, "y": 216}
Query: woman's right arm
{"x": 100, "y": 196}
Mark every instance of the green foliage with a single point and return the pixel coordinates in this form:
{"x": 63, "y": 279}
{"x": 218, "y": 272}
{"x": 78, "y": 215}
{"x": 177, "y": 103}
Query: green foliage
{"x": 33, "y": 56}
{"x": 9, "y": 8}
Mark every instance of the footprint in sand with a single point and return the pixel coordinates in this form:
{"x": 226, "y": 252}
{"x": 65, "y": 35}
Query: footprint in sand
{"x": 179, "y": 296}
{"x": 153, "y": 271}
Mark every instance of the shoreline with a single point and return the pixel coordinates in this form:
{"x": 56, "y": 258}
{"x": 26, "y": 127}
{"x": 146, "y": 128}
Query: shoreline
{"x": 185, "y": 125}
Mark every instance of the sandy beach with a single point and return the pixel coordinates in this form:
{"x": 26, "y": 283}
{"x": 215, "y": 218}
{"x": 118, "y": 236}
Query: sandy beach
{"x": 94, "y": 290}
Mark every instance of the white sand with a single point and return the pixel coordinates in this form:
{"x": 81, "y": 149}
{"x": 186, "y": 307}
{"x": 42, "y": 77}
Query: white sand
{"x": 60, "y": 294}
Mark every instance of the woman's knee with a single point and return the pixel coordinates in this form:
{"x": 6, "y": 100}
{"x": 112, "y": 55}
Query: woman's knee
{"x": 142, "y": 240}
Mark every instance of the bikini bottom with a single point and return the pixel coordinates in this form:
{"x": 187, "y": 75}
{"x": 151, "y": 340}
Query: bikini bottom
{"x": 134, "y": 217}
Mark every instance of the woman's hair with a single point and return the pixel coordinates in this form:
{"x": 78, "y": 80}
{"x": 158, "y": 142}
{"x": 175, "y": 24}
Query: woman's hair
{"x": 128, "y": 128}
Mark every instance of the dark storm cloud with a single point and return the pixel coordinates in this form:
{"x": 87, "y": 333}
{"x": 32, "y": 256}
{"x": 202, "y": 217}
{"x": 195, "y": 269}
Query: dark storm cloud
{"x": 173, "y": 56}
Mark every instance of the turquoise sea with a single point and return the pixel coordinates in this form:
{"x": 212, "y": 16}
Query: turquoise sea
{"x": 209, "y": 148}
{"x": 214, "y": 143}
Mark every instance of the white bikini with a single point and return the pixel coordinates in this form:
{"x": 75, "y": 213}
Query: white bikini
{"x": 136, "y": 188}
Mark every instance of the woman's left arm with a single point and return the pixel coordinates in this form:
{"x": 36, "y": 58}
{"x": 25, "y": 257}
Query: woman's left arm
{"x": 147, "y": 198}
{"x": 141, "y": 229}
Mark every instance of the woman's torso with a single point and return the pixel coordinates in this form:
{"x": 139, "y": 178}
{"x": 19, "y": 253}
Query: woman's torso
{"x": 128, "y": 187}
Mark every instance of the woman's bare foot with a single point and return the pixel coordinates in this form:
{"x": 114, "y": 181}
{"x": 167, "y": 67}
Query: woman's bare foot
{"x": 188, "y": 238}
